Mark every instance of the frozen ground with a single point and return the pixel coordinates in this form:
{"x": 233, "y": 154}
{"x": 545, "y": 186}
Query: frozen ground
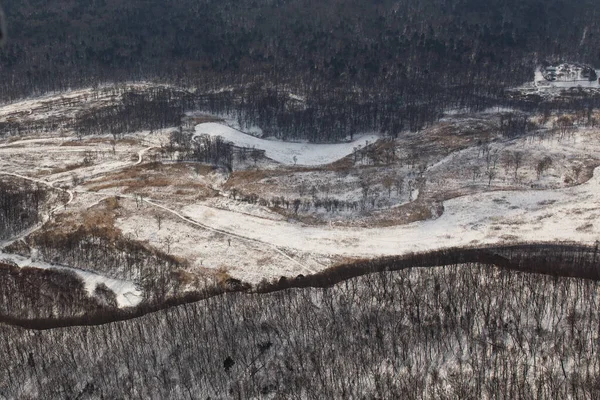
{"x": 250, "y": 247}
{"x": 205, "y": 224}
{"x": 576, "y": 81}
{"x": 284, "y": 152}
{"x": 550, "y": 215}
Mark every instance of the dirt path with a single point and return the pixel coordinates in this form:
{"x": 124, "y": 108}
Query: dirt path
{"x": 230, "y": 234}
{"x": 153, "y": 203}
{"x": 53, "y": 185}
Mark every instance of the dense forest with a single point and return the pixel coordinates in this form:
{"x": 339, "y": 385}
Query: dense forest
{"x": 21, "y": 204}
{"x": 349, "y": 42}
{"x": 467, "y": 331}
{"x": 352, "y": 65}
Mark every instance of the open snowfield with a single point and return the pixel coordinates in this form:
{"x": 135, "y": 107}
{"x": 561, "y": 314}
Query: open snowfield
{"x": 251, "y": 247}
{"x": 548, "y": 215}
{"x": 207, "y": 221}
{"x": 284, "y": 152}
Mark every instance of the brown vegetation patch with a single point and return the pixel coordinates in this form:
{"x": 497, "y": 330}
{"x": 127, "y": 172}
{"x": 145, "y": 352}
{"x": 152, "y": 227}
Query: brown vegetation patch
{"x": 60, "y": 170}
{"x": 257, "y": 177}
{"x": 99, "y": 220}
{"x": 240, "y": 178}
{"x": 156, "y": 175}
{"x": 587, "y": 172}
{"x": 418, "y": 210}
{"x": 102, "y": 140}
{"x": 341, "y": 164}
{"x": 203, "y": 119}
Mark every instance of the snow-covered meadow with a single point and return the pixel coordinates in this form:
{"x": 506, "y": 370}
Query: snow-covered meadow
{"x": 204, "y": 223}
{"x": 546, "y": 215}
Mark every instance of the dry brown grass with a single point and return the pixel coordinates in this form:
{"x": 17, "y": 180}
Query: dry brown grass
{"x": 154, "y": 175}
{"x": 222, "y": 275}
{"x": 419, "y": 210}
{"x": 59, "y": 170}
{"x": 100, "y": 220}
{"x": 92, "y": 141}
{"x": 202, "y": 119}
{"x": 587, "y": 171}
{"x": 134, "y": 184}
{"x": 240, "y": 178}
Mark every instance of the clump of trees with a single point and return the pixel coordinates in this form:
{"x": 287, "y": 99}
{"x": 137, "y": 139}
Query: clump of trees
{"x": 21, "y": 205}
{"x": 47, "y": 294}
{"x": 113, "y": 256}
{"x": 515, "y": 124}
{"x": 137, "y": 110}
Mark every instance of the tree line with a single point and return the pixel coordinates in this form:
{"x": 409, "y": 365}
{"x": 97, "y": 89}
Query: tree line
{"x": 386, "y": 66}
{"x": 21, "y": 206}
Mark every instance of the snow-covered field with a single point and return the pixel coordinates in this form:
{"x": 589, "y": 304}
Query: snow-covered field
{"x": 287, "y": 152}
{"x": 250, "y": 246}
{"x": 215, "y": 231}
{"x": 550, "y": 215}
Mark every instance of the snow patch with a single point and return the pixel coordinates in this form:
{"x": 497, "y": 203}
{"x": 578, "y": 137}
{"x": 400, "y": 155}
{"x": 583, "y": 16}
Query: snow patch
{"x": 287, "y": 152}
{"x": 127, "y": 293}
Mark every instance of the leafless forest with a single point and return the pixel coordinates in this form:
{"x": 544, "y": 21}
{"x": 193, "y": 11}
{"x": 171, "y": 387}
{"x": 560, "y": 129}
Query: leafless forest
{"x": 458, "y": 331}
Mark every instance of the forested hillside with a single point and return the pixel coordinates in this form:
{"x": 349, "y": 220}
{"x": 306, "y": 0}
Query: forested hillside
{"x": 340, "y": 40}
{"x": 462, "y": 331}
{"x": 347, "y": 57}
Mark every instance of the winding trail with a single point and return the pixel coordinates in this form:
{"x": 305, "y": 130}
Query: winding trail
{"x": 150, "y": 202}
{"x": 230, "y": 234}
{"x": 484, "y": 218}
{"x": 53, "y": 185}
{"x": 491, "y": 218}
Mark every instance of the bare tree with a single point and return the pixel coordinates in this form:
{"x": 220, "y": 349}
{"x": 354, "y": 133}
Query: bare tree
{"x": 517, "y": 161}
{"x": 158, "y": 217}
{"x": 577, "y": 168}
{"x": 543, "y": 165}
{"x": 399, "y": 184}
{"x": 168, "y": 242}
{"x": 565, "y": 125}
{"x": 388, "y": 182}
{"x": 491, "y": 174}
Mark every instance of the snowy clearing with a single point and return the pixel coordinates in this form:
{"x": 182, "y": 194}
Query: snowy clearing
{"x": 265, "y": 221}
{"x": 308, "y": 154}
{"x": 542, "y": 84}
{"x": 549, "y": 215}
{"x": 127, "y": 293}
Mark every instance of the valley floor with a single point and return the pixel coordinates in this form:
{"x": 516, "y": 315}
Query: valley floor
{"x": 456, "y": 183}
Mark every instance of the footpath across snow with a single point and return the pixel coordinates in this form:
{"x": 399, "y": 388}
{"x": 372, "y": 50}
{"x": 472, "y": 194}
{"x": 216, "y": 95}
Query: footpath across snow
{"x": 308, "y": 154}
{"x": 547, "y": 215}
